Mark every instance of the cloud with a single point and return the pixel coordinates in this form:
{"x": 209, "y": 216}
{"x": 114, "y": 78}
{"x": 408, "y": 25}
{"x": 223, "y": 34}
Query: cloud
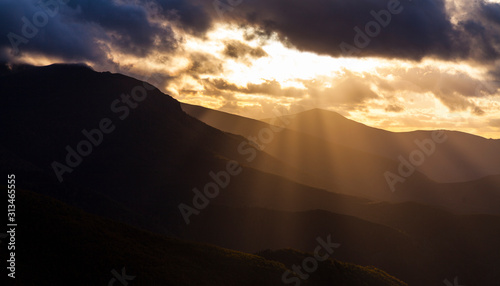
{"x": 494, "y": 123}
{"x": 230, "y": 106}
{"x": 455, "y": 89}
{"x": 236, "y": 49}
{"x": 59, "y": 38}
{"x": 242, "y": 52}
{"x": 88, "y": 29}
{"x": 422, "y": 29}
{"x": 191, "y": 15}
{"x": 394, "y": 108}
{"x": 92, "y": 29}
{"x": 126, "y": 26}
{"x": 203, "y": 63}
{"x": 350, "y": 91}
{"x": 272, "y": 88}
{"x": 320, "y": 26}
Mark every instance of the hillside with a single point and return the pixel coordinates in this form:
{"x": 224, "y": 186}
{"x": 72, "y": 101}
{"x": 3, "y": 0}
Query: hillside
{"x": 462, "y": 157}
{"x": 58, "y": 244}
{"x": 150, "y": 164}
{"x": 325, "y": 276}
{"x": 338, "y": 167}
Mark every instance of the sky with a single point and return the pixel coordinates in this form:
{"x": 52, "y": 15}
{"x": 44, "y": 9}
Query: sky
{"x": 397, "y": 65}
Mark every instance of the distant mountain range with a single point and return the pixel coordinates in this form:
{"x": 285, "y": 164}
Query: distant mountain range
{"x": 350, "y": 167}
{"x": 461, "y": 157}
{"x": 142, "y": 170}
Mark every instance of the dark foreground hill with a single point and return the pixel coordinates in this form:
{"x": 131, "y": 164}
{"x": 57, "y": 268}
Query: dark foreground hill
{"x": 60, "y": 245}
{"x": 149, "y": 164}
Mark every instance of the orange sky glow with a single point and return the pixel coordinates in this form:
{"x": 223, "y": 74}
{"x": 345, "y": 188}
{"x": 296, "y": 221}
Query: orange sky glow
{"x": 231, "y": 72}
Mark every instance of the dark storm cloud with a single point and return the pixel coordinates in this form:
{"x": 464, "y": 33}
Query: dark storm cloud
{"x": 126, "y": 26}
{"x": 192, "y": 16}
{"x": 85, "y": 29}
{"x": 69, "y": 40}
{"x": 82, "y": 29}
{"x": 491, "y": 11}
{"x": 423, "y": 28}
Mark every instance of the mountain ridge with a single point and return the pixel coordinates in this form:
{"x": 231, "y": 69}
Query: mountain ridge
{"x": 326, "y": 159}
{"x": 153, "y": 162}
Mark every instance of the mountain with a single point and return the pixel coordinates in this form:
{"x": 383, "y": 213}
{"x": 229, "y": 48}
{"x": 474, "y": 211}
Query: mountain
{"x": 461, "y": 157}
{"x": 60, "y": 245}
{"x": 151, "y": 160}
{"x": 342, "y": 169}
{"x": 359, "y": 276}
{"x": 159, "y": 161}
{"x": 337, "y": 168}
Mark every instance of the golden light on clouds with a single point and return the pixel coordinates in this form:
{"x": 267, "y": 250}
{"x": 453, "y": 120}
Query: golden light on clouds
{"x": 407, "y": 95}
{"x": 229, "y": 71}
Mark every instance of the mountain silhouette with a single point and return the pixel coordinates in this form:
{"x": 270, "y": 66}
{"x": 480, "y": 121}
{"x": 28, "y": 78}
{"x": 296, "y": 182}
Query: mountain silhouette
{"x": 343, "y": 169}
{"x": 154, "y": 158}
{"x": 462, "y": 157}
{"x": 63, "y": 245}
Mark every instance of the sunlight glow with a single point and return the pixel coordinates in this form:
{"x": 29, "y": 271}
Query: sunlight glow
{"x": 393, "y": 94}
{"x": 292, "y": 68}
